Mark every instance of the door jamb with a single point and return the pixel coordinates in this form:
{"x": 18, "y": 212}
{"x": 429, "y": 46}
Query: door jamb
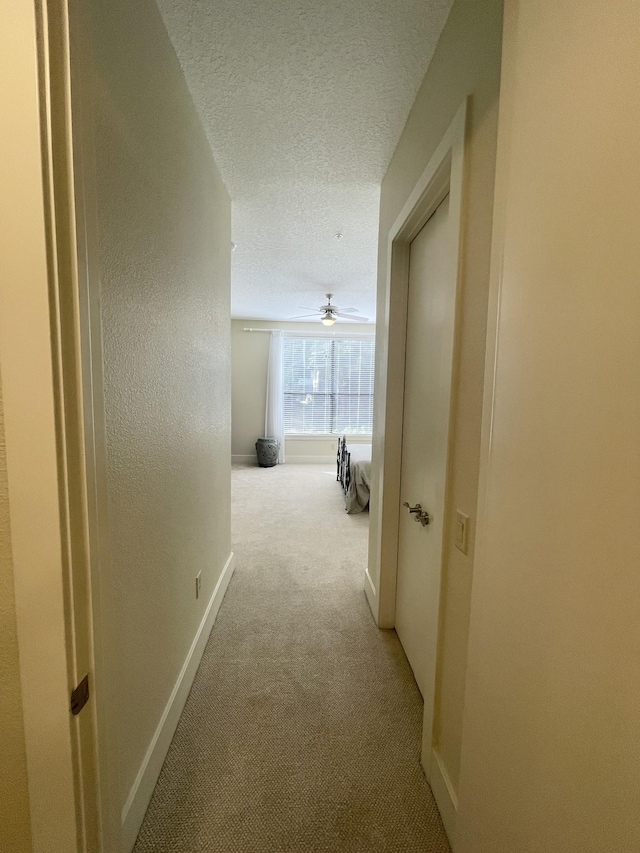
{"x": 38, "y": 464}
{"x": 445, "y": 170}
{"x": 85, "y": 373}
{"x": 73, "y": 304}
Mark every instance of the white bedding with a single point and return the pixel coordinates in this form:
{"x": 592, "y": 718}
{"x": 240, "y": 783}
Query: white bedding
{"x": 357, "y": 496}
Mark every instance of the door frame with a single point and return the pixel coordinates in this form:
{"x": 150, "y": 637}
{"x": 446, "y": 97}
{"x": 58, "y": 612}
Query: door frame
{"x": 69, "y": 80}
{"x": 39, "y": 337}
{"x": 85, "y": 324}
{"x": 34, "y": 459}
{"x": 445, "y": 172}
{"x": 57, "y": 485}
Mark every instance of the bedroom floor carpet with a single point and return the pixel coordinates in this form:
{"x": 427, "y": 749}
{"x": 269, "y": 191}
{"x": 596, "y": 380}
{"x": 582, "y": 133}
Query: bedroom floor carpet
{"x": 302, "y": 730}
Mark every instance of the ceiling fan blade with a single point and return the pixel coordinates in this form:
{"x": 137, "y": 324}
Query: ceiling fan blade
{"x": 351, "y": 317}
{"x": 306, "y": 308}
{"x": 348, "y": 310}
{"x": 304, "y": 316}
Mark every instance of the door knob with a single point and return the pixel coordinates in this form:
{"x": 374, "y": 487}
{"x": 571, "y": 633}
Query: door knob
{"x": 419, "y": 514}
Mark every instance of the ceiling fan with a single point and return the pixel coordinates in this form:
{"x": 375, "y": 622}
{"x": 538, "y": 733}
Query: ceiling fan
{"x": 330, "y": 313}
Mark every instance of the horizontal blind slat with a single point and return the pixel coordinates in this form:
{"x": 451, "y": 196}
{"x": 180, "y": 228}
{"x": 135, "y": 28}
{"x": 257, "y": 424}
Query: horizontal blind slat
{"x": 328, "y": 385}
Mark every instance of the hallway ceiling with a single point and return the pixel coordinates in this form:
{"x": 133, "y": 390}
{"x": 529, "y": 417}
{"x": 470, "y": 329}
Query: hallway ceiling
{"x": 303, "y": 102}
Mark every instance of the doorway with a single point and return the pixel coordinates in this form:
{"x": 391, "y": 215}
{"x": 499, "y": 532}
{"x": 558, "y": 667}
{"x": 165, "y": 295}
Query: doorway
{"x": 420, "y": 341}
{"x": 424, "y": 446}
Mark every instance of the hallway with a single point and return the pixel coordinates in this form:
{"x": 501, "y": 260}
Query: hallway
{"x": 302, "y": 730}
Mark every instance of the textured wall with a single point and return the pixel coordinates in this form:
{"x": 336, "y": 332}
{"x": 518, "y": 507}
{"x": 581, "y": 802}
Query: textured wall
{"x": 15, "y": 832}
{"x": 466, "y": 62}
{"x": 249, "y": 361}
{"x": 164, "y": 242}
{"x": 551, "y": 749}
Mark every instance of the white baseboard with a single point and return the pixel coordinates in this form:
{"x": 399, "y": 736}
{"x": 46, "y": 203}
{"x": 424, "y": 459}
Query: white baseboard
{"x": 370, "y": 592}
{"x": 444, "y": 795}
{"x": 142, "y": 789}
{"x": 244, "y": 459}
{"x": 305, "y": 460}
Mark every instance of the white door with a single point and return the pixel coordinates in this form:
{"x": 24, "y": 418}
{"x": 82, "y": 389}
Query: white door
{"x": 425, "y": 439}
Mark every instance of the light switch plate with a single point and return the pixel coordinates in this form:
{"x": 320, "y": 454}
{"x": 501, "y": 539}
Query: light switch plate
{"x": 462, "y": 532}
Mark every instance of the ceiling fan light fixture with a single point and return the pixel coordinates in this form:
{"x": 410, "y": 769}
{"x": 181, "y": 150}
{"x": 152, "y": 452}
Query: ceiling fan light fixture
{"x": 328, "y": 319}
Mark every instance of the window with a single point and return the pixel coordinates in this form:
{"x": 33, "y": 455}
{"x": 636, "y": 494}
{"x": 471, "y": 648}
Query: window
{"x": 328, "y": 386}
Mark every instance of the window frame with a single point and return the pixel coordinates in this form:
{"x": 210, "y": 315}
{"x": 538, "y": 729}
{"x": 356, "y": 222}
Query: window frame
{"x": 354, "y": 438}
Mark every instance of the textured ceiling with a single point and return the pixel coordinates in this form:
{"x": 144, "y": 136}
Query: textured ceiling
{"x": 303, "y": 102}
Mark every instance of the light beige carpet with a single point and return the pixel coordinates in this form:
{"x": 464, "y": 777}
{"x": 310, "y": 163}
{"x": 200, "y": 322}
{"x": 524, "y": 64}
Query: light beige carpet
{"x": 302, "y": 730}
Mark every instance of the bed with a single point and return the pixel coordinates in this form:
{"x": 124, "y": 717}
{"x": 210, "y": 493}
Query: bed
{"x": 354, "y": 474}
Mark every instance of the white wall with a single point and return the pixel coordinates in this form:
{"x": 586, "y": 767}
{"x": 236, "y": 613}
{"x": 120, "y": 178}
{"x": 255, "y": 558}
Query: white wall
{"x": 551, "y": 748}
{"x": 164, "y": 273}
{"x": 466, "y": 63}
{"x": 249, "y": 362}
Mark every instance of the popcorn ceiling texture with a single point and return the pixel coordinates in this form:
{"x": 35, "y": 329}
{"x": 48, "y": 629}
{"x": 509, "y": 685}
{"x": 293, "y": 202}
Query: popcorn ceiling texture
{"x": 303, "y": 103}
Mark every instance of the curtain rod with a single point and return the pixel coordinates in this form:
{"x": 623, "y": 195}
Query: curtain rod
{"x": 313, "y": 334}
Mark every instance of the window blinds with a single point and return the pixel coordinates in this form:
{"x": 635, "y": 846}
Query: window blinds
{"x": 328, "y": 386}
